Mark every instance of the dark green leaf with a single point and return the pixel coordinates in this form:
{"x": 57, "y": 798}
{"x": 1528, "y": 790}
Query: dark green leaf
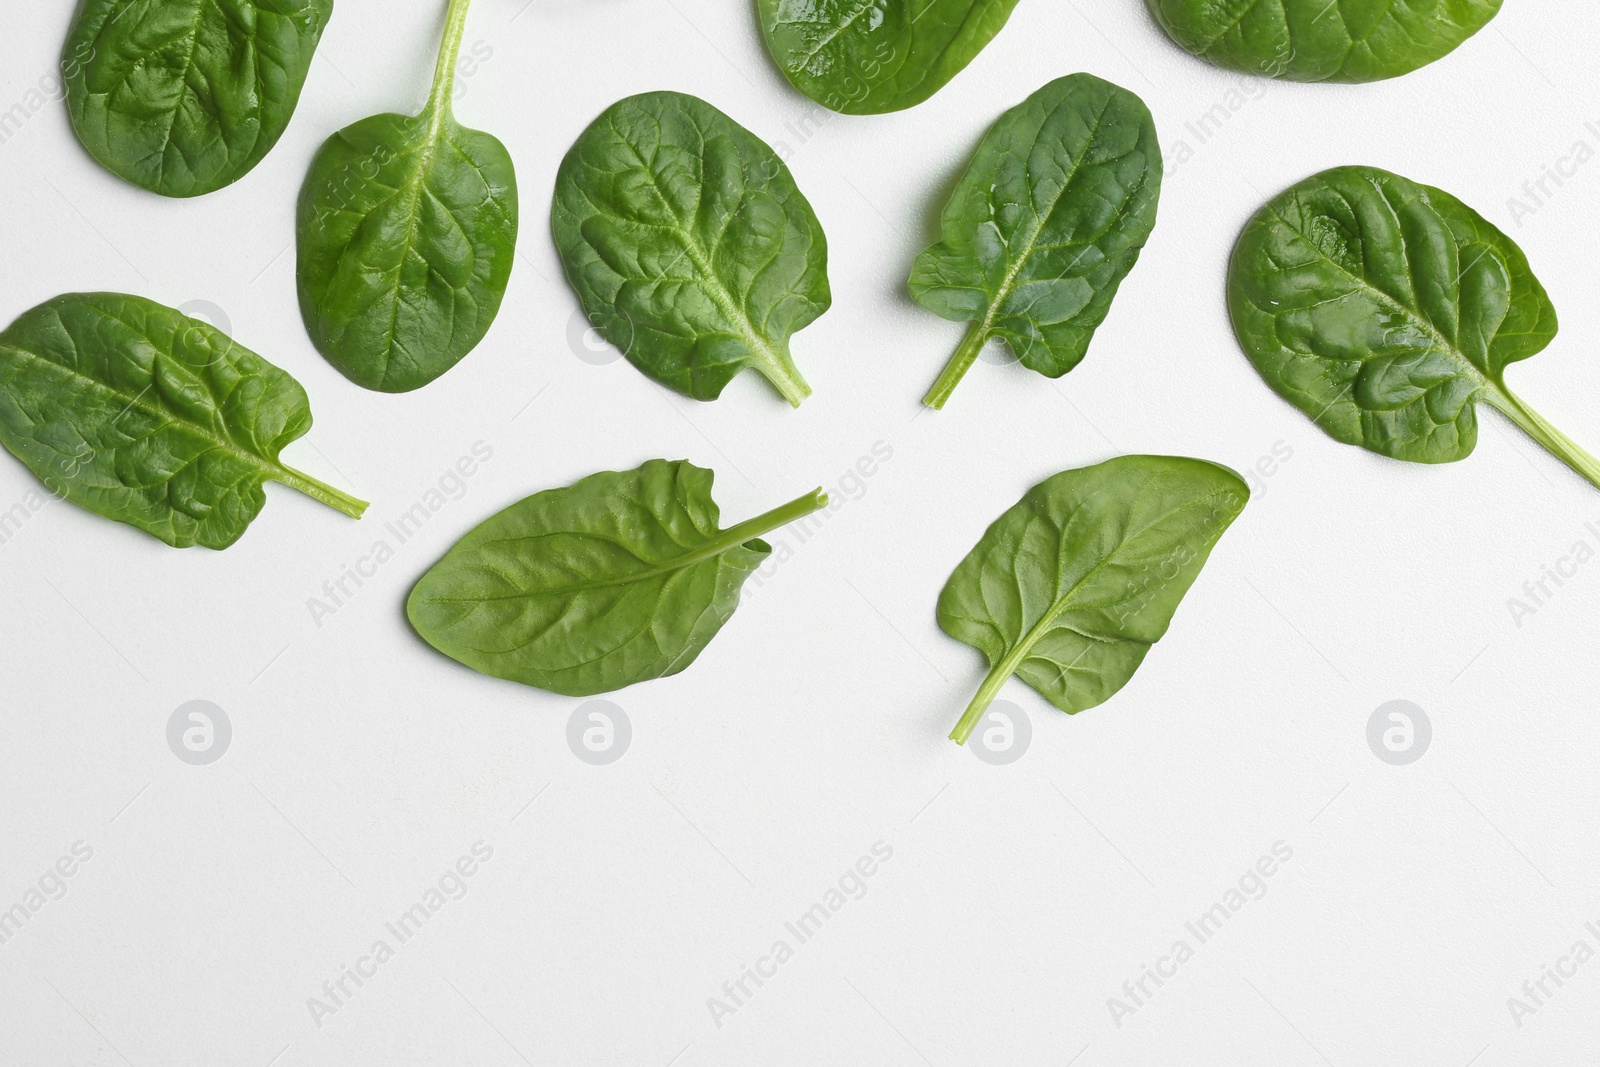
{"x": 407, "y": 230}
{"x": 1323, "y": 40}
{"x": 141, "y": 414}
{"x": 184, "y": 97}
{"x": 1070, "y": 588}
{"x": 1386, "y": 310}
{"x": 689, "y": 244}
{"x": 618, "y": 579}
{"x": 865, "y": 57}
{"x": 1048, "y": 219}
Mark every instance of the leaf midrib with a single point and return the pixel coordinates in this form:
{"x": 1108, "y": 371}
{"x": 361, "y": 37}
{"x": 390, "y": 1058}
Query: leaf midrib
{"x": 725, "y": 542}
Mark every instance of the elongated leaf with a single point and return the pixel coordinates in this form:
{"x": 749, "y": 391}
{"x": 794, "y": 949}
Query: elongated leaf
{"x": 1048, "y": 219}
{"x": 865, "y": 57}
{"x": 1386, "y": 310}
{"x": 1070, "y": 588}
{"x": 689, "y": 245}
{"x": 183, "y": 97}
{"x": 1323, "y": 40}
{"x": 407, "y": 229}
{"x": 141, "y": 414}
{"x": 618, "y": 579}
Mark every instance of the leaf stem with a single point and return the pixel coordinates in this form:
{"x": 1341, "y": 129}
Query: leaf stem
{"x": 980, "y": 703}
{"x": 958, "y": 366}
{"x": 751, "y": 529}
{"x": 778, "y": 368}
{"x": 1534, "y": 425}
{"x": 444, "y": 74}
{"x": 321, "y": 491}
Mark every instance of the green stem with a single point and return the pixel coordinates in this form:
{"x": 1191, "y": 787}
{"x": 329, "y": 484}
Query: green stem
{"x": 751, "y": 529}
{"x": 975, "y": 712}
{"x": 958, "y": 366}
{"x": 327, "y": 494}
{"x": 778, "y": 367}
{"x": 444, "y": 75}
{"x": 1534, "y": 425}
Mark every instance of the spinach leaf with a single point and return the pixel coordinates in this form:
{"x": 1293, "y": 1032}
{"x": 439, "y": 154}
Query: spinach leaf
{"x": 1070, "y": 588}
{"x": 1048, "y": 219}
{"x": 1386, "y": 310}
{"x": 618, "y": 579}
{"x": 865, "y": 57}
{"x": 407, "y": 229}
{"x": 1319, "y": 40}
{"x": 141, "y": 414}
{"x": 183, "y": 97}
{"x": 689, "y": 245}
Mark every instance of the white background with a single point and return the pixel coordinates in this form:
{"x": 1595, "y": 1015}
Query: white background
{"x": 1019, "y": 898}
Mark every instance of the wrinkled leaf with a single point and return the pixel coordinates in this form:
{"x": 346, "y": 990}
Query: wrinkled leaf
{"x": 1048, "y": 219}
{"x": 1323, "y": 40}
{"x": 689, "y": 245}
{"x": 865, "y": 57}
{"x": 407, "y": 229}
{"x": 183, "y": 97}
{"x": 1070, "y": 588}
{"x": 623, "y": 577}
{"x": 141, "y": 414}
{"x": 1386, "y": 310}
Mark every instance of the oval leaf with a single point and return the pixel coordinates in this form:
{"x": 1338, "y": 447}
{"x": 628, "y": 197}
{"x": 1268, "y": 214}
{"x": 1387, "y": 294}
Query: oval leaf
{"x": 865, "y": 57}
{"x": 1048, "y": 219}
{"x": 407, "y": 229}
{"x": 141, "y": 414}
{"x": 1386, "y": 310}
{"x": 183, "y": 97}
{"x": 1318, "y": 40}
{"x": 618, "y": 579}
{"x": 1070, "y": 588}
{"x": 689, "y": 245}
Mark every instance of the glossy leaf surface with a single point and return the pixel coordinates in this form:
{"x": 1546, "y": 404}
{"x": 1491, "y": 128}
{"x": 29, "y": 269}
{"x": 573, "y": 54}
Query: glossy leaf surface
{"x": 689, "y": 245}
{"x": 865, "y": 57}
{"x": 1070, "y": 588}
{"x": 1048, "y": 219}
{"x": 141, "y": 414}
{"x": 1386, "y": 310}
{"x": 407, "y": 229}
{"x": 1319, "y": 40}
{"x": 183, "y": 97}
{"x": 620, "y": 578}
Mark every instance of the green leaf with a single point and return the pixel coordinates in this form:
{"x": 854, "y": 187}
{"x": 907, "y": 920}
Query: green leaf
{"x": 1386, "y": 310}
{"x": 183, "y": 97}
{"x": 1070, "y": 588}
{"x": 866, "y": 57}
{"x": 407, "y": 228}
{"x": 1322, "y": 40}
{"x": 618, "y": 579}
{"x": 689, "y": 245}
{"x": 141, "y": 414}
{"x": 1048, "y": 219}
